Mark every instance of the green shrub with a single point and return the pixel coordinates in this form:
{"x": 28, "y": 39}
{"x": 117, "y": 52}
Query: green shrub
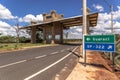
{"x": 1, "y": 46}
{"x": 24, "y": 40}
{"x": 7, "y": 39}
{"x": 44, "y": 42}
{"x": 16, "y": 46}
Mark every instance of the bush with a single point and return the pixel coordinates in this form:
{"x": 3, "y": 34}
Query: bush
{"x": 16, "y": 46}
{"x": 11, "y": 39}
{"x": 7, "y": 39}
{"x": 24, "y": 40}
{"x": 1, "y": 46}
{"x": 44, "y": 42}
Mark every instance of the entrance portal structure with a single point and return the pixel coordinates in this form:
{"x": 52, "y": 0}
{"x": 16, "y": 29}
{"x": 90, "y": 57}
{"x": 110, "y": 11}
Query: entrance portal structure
{"x": 53, "y": 25}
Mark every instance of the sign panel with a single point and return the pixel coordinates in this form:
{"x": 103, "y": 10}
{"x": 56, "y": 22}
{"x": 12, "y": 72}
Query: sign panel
{"x": 100, "y": 42}
{"x": 100, "y": 47}
{"x": 100, "y": 38}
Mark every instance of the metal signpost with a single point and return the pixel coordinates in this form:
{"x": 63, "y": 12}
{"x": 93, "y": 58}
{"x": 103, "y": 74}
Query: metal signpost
{"x": 84, "y": 27}
{"x": 104, "y": 43}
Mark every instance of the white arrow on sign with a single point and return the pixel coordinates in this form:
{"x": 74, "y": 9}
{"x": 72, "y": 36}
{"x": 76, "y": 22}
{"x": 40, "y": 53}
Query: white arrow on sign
{"x": 88, "y": 39}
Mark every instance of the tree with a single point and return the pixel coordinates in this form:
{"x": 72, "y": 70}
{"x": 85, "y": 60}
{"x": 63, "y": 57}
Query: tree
{"x": 39, "y": 37}
{"x": 67, "y": 35}
{"x": 17, "y": 29}
{"x": 24, "y": 39}
{"x": 91, "y": 31}
{"x": 0, "y": 33}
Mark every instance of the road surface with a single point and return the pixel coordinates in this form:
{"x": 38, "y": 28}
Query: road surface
{"x": 44, "y": 63}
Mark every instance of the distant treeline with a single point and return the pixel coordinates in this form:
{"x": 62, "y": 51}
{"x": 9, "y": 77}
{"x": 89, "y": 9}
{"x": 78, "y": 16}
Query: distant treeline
{"x": 11, "y": 39}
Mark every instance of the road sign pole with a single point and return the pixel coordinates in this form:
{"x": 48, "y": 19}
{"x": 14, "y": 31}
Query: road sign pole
{"x": 111, "y": 8}
{"x": 102, "y": 43}
{"x": 84, "y": 28}
{"x": 84, "y": 51}
{"x": 113, "y": 57}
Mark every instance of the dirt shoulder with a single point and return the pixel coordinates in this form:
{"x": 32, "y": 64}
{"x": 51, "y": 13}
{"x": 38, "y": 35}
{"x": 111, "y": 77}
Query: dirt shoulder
{"x": 96, "y": 69}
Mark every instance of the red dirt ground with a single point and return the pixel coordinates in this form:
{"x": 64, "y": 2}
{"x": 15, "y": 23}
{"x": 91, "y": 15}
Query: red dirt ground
{"x": 97, "y": 68}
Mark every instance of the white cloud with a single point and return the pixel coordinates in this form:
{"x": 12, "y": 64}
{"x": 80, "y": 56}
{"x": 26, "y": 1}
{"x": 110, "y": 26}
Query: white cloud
{"x": 118, "y": 7}
{"x": 104, "y": 17}
{"x": 5, "y": 13}
{"x": 74, "y": 32}
{"x": 30, "y": 17}
{"x": 4, "y": 28}
{"x": 98, "y": 7}
{"x": 117, "y": 13}
{"x": 104, "y": 22}
{"x": 117, "y": 25}
{"x": 4, "y": 24}
{"x": 7, "y": 29}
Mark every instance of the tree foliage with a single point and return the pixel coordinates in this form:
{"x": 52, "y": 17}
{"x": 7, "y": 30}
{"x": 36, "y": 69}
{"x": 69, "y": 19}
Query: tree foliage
{"x": 11, "y": 39}
{"x": 7, "y": 39}
{"x": 24, "y": 40}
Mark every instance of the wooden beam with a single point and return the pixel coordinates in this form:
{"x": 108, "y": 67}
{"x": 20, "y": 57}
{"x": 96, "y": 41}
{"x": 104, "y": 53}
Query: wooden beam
{"x": 93, "y": 18}
{"x": 71, "y": 20}
{"x": 70, "y": 25}
{"x": 94, "y": 15}
{"x": 92, "y": 21}
{"x": 74, "y": 22}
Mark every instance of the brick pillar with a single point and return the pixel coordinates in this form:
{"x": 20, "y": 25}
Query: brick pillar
{"x": 33, "y": 34}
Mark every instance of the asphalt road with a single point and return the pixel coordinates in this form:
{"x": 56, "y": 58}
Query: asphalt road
{"x": 46, "y": 63}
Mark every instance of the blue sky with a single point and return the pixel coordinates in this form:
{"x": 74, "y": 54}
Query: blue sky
{"x": 22, "y": 11}
{"x": 67, "y": 7}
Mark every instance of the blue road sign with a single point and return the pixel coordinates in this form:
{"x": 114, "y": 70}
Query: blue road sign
{"x": 110, "y": 47}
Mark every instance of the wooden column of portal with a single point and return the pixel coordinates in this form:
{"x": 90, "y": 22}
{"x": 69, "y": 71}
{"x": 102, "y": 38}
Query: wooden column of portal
{"x": 44, "y": 33}
{"x": 33, "y": 34}
{"x": 61, "y": 35}
{"x": 53, "y": 34}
